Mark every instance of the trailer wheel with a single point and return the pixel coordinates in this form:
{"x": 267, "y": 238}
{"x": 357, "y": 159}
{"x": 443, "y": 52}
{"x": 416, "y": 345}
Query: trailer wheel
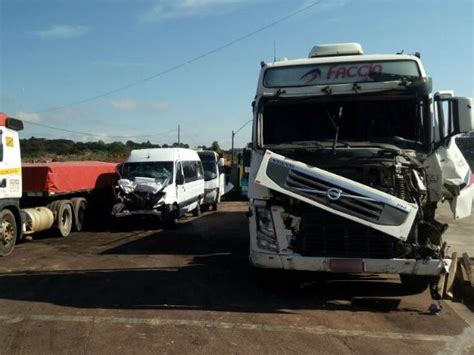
{"x": 8, "y": 232}
{"x": 79, "y": 206}
{"x": 414, "y": 283}
{"x": 63, "y": 216}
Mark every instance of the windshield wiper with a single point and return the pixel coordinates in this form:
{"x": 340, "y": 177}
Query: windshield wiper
{"x": 335, "y": 126}
{"x": 405, "y": 80}
{"x": 300, "y": 143}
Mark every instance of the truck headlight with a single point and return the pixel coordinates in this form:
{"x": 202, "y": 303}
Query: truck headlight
{"x": 266, "y": 237}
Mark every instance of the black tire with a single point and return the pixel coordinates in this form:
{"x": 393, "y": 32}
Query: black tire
{"x": 215, "y": 204}
{"x": 172, "y": 218}
{"x": 8, "y": 232}
{"x": 414, "y": 283}
{"x": 79, "y": 206}
{"x": 63, "y": 216}
{"x": 197, "y": 210}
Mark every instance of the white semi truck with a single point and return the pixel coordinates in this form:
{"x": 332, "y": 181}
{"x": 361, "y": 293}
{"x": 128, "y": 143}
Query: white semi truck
{"x": 350, "y": 155}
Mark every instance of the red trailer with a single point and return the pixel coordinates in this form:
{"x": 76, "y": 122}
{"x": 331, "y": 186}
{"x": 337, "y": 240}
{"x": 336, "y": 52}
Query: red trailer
{"x": 59, "y": 194}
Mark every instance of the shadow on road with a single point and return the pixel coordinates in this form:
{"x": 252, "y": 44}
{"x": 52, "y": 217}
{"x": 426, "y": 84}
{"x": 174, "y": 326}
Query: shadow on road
{"x": 217, "y": 279}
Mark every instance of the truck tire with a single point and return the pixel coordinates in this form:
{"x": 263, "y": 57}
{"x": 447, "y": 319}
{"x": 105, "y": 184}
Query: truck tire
{"x": 79, "y": 206}
{"x": 8, "y": 232}
{"x": 414, "y": 283}
{"x": 63, "y": 216}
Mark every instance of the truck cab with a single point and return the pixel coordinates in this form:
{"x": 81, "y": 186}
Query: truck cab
{"x": 350, "y": 155}
{"x": 10, "y": 183}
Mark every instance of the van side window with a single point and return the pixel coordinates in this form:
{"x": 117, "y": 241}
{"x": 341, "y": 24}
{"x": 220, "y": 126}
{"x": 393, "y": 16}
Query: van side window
{"x": 192, "y": 171}
{"x": 178, "y": 171}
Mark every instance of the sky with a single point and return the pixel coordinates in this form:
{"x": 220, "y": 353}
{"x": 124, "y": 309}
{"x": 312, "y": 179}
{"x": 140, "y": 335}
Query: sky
{"x": 56, "y": 54}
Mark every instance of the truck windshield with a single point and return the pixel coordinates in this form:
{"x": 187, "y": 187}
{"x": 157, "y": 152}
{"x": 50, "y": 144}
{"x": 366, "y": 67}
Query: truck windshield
{"x": 368, "y": 120}
{"x": 158, "y": 170}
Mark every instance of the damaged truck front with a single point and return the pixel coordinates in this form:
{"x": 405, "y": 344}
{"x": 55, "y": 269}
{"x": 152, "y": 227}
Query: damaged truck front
{"x": 350, "y": 156}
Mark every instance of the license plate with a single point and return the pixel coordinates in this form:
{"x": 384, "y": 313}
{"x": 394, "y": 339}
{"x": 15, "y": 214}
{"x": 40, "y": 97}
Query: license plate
{"x": 346, "y": 265}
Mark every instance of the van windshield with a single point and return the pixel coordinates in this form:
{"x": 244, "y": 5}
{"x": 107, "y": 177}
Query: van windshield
{"x": 158, "y": 170}
{"x": 210, "y": 169}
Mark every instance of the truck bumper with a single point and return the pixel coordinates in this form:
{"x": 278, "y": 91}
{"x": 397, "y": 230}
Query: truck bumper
{"x": 383, "y": 266}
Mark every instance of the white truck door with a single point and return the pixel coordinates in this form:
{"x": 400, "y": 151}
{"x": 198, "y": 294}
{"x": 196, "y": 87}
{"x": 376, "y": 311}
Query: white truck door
{"x": 449, "y": 173}
{"x": 10, "y": 164}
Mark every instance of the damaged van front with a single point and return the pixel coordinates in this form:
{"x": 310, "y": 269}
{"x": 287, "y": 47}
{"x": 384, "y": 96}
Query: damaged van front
{"x": 162, "y": 182}
{"x": 349, "y": 160}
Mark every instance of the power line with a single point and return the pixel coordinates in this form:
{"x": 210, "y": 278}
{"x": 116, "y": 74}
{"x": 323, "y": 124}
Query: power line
{"x": 160, "y": 134}
{"x": 180, "y": 65}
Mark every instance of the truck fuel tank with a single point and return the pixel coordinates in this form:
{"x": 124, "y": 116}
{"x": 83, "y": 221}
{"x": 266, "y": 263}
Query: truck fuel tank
{"x": 38, "y": 219}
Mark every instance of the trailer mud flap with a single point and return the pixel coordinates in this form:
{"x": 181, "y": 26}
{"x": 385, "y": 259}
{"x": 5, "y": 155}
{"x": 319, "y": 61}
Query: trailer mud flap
{"x": 338, "y": 195}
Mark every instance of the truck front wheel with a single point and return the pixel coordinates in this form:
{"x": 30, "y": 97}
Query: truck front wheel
{"x": 8, "y": 232}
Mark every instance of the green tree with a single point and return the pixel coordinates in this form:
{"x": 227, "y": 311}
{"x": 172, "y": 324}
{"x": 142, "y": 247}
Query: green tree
{"x": 215, "y": 147}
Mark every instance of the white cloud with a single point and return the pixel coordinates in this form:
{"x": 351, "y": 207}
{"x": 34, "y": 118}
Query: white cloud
{"x": 28, "y": 116}
{"x": 123, "y": 105}
{"x": 167, "y": 9}
{"x": 61, "y": 31}
{"x": 159, "y": 106}
{"x": 131, "y": 105}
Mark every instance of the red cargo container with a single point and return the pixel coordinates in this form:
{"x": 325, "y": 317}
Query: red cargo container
{"x": 56, "y": 178}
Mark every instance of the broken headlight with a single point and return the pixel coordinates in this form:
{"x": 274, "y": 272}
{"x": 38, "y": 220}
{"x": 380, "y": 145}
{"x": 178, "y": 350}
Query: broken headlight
{"x": 266, "y": 237}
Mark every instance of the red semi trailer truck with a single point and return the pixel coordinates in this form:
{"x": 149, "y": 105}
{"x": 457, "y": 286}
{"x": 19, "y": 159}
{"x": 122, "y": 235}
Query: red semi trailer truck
{"x": 38, "y": 197}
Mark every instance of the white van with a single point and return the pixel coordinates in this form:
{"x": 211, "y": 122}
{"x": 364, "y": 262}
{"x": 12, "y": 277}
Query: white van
{"x": 214, "y": 178}
{"x": 162, "y": 182}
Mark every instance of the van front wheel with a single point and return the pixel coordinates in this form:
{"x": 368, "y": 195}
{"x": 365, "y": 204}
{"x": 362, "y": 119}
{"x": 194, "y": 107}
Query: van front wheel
{"x": 197, "y": 210}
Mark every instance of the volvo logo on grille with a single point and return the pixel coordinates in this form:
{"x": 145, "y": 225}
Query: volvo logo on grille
{"x": 333, "y": 194}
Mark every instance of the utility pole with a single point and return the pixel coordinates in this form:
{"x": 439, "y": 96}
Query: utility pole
{"x": 232, "y": 150}
{"x": 233, "y": 135}
{"x": 179, "y": 137}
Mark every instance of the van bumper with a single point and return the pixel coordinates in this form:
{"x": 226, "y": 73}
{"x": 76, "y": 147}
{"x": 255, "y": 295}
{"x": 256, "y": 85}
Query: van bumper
{"x": 429, "y": 267}
{"x": 127, "y": 213}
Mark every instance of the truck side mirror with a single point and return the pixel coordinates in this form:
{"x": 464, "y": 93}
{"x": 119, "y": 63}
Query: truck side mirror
{"x": 464, "y": 122}
{"x": 246, "y": 157}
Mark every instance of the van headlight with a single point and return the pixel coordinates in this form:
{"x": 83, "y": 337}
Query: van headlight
{"x": 266, "y": 237}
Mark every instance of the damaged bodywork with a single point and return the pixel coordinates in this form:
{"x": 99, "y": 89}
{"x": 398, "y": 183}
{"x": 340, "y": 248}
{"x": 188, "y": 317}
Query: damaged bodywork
{"x": 140, "y": 196}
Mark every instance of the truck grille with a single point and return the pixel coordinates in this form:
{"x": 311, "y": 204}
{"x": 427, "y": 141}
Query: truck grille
{"x": 356, "y": 205}
{"x": 326, "y": 235}
{"x": 313, "y": 185}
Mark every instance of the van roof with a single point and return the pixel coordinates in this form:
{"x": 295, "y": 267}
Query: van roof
{"x": 161, "y": 154}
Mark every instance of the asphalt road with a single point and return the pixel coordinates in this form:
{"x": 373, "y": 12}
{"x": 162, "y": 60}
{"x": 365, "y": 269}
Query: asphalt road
{"x": 139, "y": 289}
